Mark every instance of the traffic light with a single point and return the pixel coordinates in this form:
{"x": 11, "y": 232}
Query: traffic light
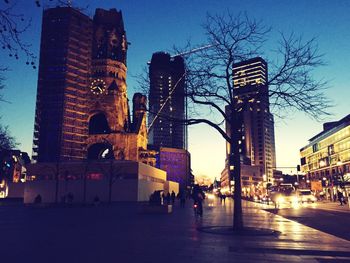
{"x": 298, "y": 168}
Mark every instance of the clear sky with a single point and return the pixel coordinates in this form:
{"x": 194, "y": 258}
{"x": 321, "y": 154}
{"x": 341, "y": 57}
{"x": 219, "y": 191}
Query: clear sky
{"x": 158, "y": 25}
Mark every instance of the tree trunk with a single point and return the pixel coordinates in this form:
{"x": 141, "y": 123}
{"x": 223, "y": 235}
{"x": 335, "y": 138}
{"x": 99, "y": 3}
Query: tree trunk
{"x": 235, "y": 160}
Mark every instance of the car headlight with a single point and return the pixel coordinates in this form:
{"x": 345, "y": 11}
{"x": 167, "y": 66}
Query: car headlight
{"x": 295, "y": 199}
{"x": 210, "y": 196}
{"x": 280, "y": 199}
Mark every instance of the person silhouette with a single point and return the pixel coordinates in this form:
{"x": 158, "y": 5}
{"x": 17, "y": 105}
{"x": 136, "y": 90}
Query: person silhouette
{"x": 340, "y": 198}
{"x": 173, "y": 197}
{"x": 168, "y": 197}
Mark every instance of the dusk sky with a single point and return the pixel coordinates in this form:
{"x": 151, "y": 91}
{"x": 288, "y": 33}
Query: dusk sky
{"x": 158, "y": 25}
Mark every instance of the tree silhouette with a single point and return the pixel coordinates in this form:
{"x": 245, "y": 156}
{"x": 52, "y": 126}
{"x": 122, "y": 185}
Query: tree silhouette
{"x": 7, "y": 142}
{"x": 209, "y": 77}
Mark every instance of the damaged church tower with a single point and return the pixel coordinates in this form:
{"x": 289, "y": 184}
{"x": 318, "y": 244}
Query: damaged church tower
{"x": 82, "y": 109}
{"x": 86, "y": 143}
{"x": 111, "y": 133}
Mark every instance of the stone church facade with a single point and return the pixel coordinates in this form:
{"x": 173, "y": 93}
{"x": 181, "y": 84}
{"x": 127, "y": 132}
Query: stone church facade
{"x": 82, "y": 109}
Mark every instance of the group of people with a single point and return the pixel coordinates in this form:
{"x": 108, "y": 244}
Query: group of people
{"x": 160, "y": 197}
{"x": 169, "y": 198}
{"x": 222, "y": 197}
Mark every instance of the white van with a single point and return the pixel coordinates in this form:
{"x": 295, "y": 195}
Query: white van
{"x": 306, "y": 196}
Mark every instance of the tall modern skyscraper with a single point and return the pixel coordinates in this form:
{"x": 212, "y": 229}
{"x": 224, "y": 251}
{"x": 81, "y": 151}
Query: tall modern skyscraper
{"x": 166, "y": 101}
{"x": 258, "y": 139}
{"x": 82, "y": 107}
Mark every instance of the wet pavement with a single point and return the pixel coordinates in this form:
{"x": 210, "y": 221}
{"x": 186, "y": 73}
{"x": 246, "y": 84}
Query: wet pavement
{"x": 120, "y": 233}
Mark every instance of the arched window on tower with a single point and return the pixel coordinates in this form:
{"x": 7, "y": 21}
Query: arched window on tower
{"x": 98, "y": 124}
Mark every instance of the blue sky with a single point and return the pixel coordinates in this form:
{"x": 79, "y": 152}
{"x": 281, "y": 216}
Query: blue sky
{"x": 158, "y": 25}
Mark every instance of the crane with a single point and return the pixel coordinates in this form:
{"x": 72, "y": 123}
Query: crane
{"x": 176, "y": 84}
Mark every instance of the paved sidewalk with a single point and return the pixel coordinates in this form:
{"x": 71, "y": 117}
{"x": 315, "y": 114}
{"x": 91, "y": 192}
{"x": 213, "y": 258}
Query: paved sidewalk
{"x": 333, "y": 206}
{"x": 118, "y": 233}
{"x": 324, "y": 205}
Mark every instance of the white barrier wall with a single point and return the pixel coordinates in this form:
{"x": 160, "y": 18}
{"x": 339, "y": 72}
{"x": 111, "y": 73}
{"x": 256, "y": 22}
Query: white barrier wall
{"x": 46, "y": 189}
{"x": 131, "y": 181}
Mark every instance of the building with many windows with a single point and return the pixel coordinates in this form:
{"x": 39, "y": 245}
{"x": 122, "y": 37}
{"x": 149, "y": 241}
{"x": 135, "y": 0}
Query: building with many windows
{"x": 64, "y": 71}
{"x": 326, "y": 158}
{"x": 166, "y": 101}
{"x": 176, "y": 162}
{"x": 257, "y": 146}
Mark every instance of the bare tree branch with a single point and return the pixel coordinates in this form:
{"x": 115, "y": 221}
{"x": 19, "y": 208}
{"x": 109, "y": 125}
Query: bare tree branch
{"x": 7, "y": 141}
{"x": 291, "y": 83}
{"x": 209, "y": 78}
{"x": 12, "y": 27}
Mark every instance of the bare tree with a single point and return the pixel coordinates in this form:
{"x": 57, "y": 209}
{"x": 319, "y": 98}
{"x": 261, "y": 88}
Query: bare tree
{"x": 209, "y": 77}
{"x": 14, "y": 24}
{"x": 7, "y": 142}
{"x": 12, "y": 27}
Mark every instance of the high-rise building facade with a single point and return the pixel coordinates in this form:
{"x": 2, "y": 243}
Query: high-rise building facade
{"x": 326, "y": 158}
{"x": 82, "y": 107}
{"x": 166, "y": 101}
{"x": 257, "y": 133}
{"x": 65, "y": 61}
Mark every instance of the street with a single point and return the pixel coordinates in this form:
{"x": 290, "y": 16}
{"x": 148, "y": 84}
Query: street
{"x": 119, "y": 232}
{"x": 327, "y": 217}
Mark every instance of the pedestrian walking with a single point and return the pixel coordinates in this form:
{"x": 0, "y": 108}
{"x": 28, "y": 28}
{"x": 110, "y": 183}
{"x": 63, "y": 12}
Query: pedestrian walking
{"x": 173, "y": 197}
{"x": 182, "y": 198}
{"x": 341, "y": 198}
{"x": 163, "y": 198}
{"x": 222, "y": 197}
{"x": 168, "y": 197}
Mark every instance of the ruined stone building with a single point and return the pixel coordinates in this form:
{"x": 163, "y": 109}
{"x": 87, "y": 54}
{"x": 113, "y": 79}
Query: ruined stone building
{"x": 82, "y": 109}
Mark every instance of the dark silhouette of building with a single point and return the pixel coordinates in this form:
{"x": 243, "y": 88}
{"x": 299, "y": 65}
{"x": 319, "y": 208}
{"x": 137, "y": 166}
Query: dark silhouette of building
{"x": 166, "y": 101}
{"x": 82, "y": 106}
{"x": 64, "y": 71}
{"x": 257, "y": 145}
